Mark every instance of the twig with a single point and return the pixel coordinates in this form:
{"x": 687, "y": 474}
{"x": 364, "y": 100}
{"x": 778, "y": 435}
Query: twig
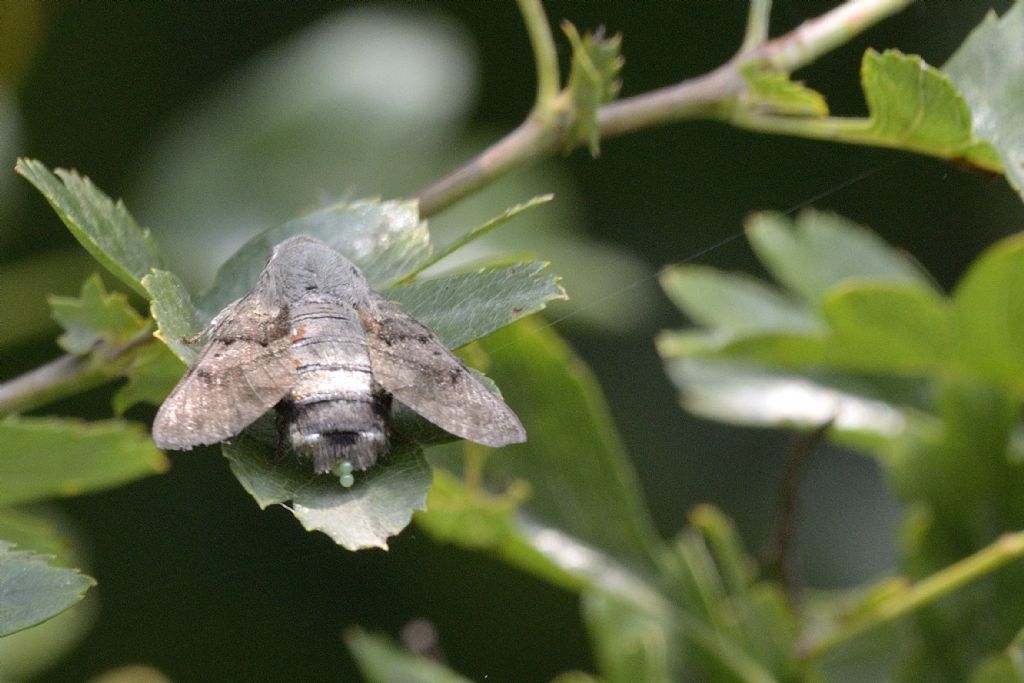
{"x": 779, "y": 557}
{"x": 545, "y": 56}
{"x": 1006, "y": 548}
{"x": 757, "y": 24}
{"x": 544, "y": 131}
{"x": 36, "y": 386}
{"x": 66, "y": 375}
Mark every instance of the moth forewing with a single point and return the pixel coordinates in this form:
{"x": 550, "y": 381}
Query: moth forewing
{"x": 242, "y": 372}
{"x": 411, "y": 363}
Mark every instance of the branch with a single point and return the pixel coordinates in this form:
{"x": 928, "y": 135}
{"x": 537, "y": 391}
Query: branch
{"x": 544, "y": 131}
{"x": 49, "y": 382}
{"x": 67, "y": 375}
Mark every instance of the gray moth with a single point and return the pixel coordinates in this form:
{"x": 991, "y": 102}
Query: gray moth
{"x": 314, "y": 342}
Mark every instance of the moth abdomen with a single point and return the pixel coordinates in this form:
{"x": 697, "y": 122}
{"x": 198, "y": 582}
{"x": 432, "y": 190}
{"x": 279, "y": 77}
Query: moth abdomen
{"x": 329, "y": 431}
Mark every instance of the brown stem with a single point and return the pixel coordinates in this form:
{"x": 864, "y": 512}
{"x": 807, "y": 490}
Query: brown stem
{"x": 544, "y": 131}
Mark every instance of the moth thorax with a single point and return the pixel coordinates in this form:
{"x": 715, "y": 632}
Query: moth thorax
{"x": 332, "y": 431}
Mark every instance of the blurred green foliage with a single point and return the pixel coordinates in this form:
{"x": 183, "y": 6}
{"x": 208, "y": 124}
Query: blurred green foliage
{"x": 859, "y": 338}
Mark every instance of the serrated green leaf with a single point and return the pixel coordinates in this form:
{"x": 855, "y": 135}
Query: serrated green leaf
{"x": 50, "y": 457}
{"x": 914, "y": 106}
{"x": 593, "y": 81}
{"x": 33, "y": 532}
{"x": 33, "y": 650}
{"x": 30, "y": 652}
{"x": 774, "y": 92}
{"x": 102, "y": 226}
{"x": 478, "y": 232}
{"x": 95, "y": 316}
{"x": 386, "y": 239}
{"x": 819, "y": 250}
{"x": 54, "y": 270}
{"x": 988, "y": 69}
{"x": 171, "y": 307}
{"x": 152, "y": 373}
{"x": 734, "y": 305}
{"x": 32, "y": 591}
{"x": 581, "y": 478}
{"x": 465, "y": 307}
{"x": 911, "y": 106}
{"x": 988, "y": 304}
{"x": 382, "y": 661}
{"x": 378, "y": 506}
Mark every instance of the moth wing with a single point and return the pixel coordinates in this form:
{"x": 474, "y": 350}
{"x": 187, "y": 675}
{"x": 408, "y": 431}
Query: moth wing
{"x": 243, "y": 371}
{"x": 418, "y": 369}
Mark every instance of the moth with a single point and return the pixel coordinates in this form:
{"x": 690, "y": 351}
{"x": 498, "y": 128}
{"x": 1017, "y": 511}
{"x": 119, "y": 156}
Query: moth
{"x": 314, "y": 342}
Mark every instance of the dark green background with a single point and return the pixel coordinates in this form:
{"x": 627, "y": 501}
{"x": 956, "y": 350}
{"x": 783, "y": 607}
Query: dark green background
{"x": 199, "y": 583}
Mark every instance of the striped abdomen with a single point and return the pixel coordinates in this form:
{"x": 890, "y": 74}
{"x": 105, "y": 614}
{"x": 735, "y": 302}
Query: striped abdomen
{"x": 336, "y": 411}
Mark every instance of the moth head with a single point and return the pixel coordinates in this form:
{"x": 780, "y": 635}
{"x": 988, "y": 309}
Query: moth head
{"x": 303, "y": 266}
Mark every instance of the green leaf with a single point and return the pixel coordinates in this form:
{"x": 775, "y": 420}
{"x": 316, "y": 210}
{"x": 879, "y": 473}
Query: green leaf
{"x": 27, "y": 654}
{"x": 763, "y": 361}
{"x": 912, "y": 323}
{"x": 988, "y": 304}
{"x": 385, "y": 239}
{"x": 171, "y": 307}
{"x": 477, "y": 520}
{"x": 740, "y": 629}
{"x": 48, "y": 457}
{"x": 94, "y": 317}
{"x": 914, "y": 106}
{"x": 820, "y": 250}
{"x": 988, "y": 69}
{"x": 32, "y": 531}
{"x": 773, "y": 92}
{"x": 911, "y": 106}
{"x": 102, "y": 226}
{"x": 479, "y": 231}
{"x": 1005, "y": 667}
{"x": 152, "y": 373}
{"x": 753, "y": 395}
{"x": 32, "y": 591}
{"x": 734, "y": 305}
{"x": 581, "y": 478}
{"x": 575, "y": 677}
{"x": 378, "y": 506}
{"x": 593, "y": 81}
{"x": 465, "y": 307}
{"x": 630, "y": 645}
{"x": 382, "y": 661}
